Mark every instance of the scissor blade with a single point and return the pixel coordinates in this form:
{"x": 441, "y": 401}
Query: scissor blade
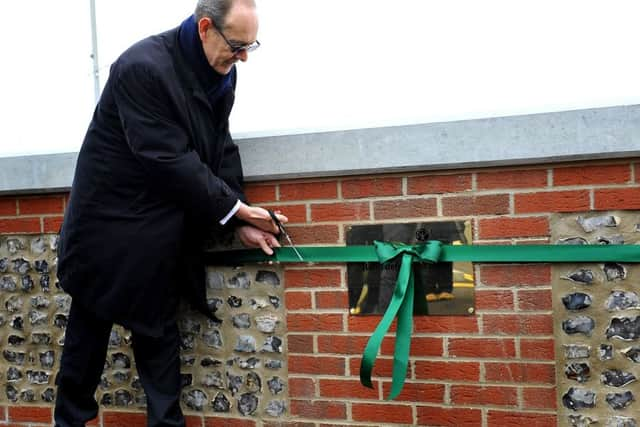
{"x": 293, "y": 247}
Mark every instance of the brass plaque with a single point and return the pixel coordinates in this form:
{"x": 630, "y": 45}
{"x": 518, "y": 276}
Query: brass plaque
{"x": 440, "y": 289}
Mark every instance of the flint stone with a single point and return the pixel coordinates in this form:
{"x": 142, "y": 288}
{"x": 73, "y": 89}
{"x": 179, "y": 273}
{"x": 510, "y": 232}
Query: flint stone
{"x": 187, "y": 341}
{"x": 63, "y": 302}
{"x": 186, "y": 379}
{"x": 578, "y": 371}
{"x": 15, "y": 340}
{"x": 39, "y": 302}
{"x": 104, "y": 382}
{"x": 267, "y": 277}
{"x": 578, "y": 398}
{"x": 250, "y": 363}
{"x": 606, "y": 352}
{"x": 617, "y": 421}
{"x": 187, "y": 359}
{"x": 576, "y": 301}
{"x": 38, "y": 377}
{"x": 275, "y": 301}
{"x": 241, "y": 321}
{"x": 234, "y": 383}
{"x": 617, "y": 378}
{"x": 214, "y": 304}
{"x": 258, "y": 303}
{"x": 267, "y": 324}
{"x": 614, "y": 271}
{"x": 208, "y": 362}
{"x": 583, "y": 276}
{"x": 221, "y": 403}
{"x": 48, "y": 395}
{"x": 17, "y": 323}
{"x": 572, "y": 241}
{"x": 215, "y": 280}
{"x": 273, "y": 364}
{"x": 136, "y": 384}
{"x": 632, "y": 353}
{"x": 14, "y": 357}
{"x": 276, "y": 408}
{"x": 8, "y": 284}
{"x": 195, "y": 399}
{"x": 13, "y": 374}
{"x": 44, "y": 283}
{"x": 621, "y": 300}
{"x": 619, "y": 400}
{"x": 624, "y": 328}
{"x": 38, "y": 245}
{"x": 276, "y": 385}
{"x": 593, "y": 223}
{"x": 239, "y": 281}
{"x": 28, "y": 395}
{"x": 123, "y": 398}
{"x": 4, "y": 265}
{"x": 15, "y": 245}
{"x": 21, "y": 266}
{"x": 254, "y": 382}
{"x": 53, "y": 242}
{"x": 616, "y": 239}
{"x": 60, "y": 321}
{"x": 213, "y": 338}
{"x": 41, "y": 338}
{"x": 214, "y": 379}
{"x": 141, "y": 400}
{"x": 13, "y": 304}
{"x": 248, "y": 403}
{"x": 106, "y": 399}
{"x": 41, "y": 266}
{"x": 234, "y": 301}
{"x": 26, "y": 283}
{"x": 579, "y": 325}
{"x": 47, "y": 359}
{"x": 121, "y": 377}
{"x": 120, "y": 360}
{"x": 245, "y": 344}
{"x": 12, "y": 393}
{"x": 37, "y": 317}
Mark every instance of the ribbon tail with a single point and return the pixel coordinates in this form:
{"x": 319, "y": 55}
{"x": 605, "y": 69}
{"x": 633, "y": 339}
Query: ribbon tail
{"x": 374, "y": 342}
{"x": 403, "y": 339}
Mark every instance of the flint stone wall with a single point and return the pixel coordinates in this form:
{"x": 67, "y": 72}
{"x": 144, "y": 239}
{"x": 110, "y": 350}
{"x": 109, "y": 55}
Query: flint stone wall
{"x": 237, "y": 367}
{"x": 597, "y": 324}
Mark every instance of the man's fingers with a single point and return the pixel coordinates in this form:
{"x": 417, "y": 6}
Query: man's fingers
{"x": 272, "y": 241}
{"x": 265, "y": 247}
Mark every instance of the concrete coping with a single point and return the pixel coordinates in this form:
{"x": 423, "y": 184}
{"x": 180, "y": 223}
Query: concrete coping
{"x": 599, "y": 133}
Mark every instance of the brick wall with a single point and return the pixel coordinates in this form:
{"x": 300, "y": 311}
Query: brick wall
{"x": 492, "y": 369}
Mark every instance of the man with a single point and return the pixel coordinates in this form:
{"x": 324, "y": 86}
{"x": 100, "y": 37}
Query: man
{"x": 156, "y": 171}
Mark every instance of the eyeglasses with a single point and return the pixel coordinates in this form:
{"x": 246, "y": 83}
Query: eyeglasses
{"x": 236, "y": 48}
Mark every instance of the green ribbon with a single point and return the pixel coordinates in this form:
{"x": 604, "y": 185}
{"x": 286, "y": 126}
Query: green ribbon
{"x": 403, "y": 297}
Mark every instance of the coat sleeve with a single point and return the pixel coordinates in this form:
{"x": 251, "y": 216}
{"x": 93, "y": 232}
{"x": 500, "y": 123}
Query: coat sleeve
{"x": 162, "y": 146}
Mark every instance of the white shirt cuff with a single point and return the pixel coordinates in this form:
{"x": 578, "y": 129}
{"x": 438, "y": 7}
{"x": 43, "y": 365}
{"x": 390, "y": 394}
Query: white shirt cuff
{"x": 231, "y": 213}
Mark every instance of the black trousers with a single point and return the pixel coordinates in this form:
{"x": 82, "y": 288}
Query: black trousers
{"x": 83, "y": 357}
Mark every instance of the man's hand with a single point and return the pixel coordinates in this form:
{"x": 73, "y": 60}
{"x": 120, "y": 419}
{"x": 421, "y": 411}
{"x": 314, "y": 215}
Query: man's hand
{"x": 253, "y": 237}
{"x": 260, "y": 218}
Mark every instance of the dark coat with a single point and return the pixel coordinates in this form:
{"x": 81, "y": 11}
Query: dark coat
{"x": 156, "y": 170}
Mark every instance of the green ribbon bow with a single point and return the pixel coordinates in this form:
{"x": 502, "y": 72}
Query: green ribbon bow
{"x": 401, "y": 305}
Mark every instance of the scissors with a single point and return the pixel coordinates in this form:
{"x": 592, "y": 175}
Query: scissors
{"x": 284, "y": 233}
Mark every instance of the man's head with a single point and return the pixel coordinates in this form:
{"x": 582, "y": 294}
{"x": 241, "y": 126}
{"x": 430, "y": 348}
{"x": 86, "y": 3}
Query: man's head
{"x": 228, "y": 31}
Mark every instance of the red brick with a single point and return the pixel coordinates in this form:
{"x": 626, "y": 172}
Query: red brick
{"x": 315, "y": 322}
{"x": 417, "y": 392}
{"x": 482, "y": 347}
{"x": 317, "y": 365}
{"x": 224, "y": 421}
{"x": 346, "y": 389}
{"x": 518, "y": 324}
{"x": 637, "y": 172}
{"x": 438, "y": 184}
{"x": 447, "y": 371}
{"x": 298, "y": 300}
{"x": 356, "y": 211}
{"x": 342, "y": 344}
{"x": 382, "y": 413}
{"x": 20, "y": 225}
{"x": 421, "y": 346}
{"x": 532, "y": 178}
{"x": 328, "y": 300}
{"x": 33, "y": 414}
{"x": 302, "y": 387}
{"x": 193, "y": 421}
{"x": 552, "y": 201}
{"x": 383, "y": 367}
{"x": 502, "y": 419}
{"x": 365, "y": 323}
{"x": 445, "y": 324}
{"x": 41, "y": 205}
{"x": 8, "y": 206}
{"x": 318, "y": 409}
{"x": 286, "y": 424}
{"x": 123, "y": 419}
{"x": 484, "y": 395}
{"x": 449, "y": 417}
{"x": 300, "y": 343}
{"x": 518, "y": 373}
{"x": 539, "y": 398}
{"x": 515, "y": 274}
{"x": 371, "y": 187}
{"x": 309, "y": 190}
{"x": 294, "y": 213}
{"x": 407, "y": 208}
{"x": 52, "y": 224}
{"x": 592, "y": 175}
{"x": 313, "y": 278}
{"x": 534, "y": 299}
{"x": 257, "y": 193}
{"x": 617, "y": 198}
{"x": 537, "y": 349}
{"x": 494, "y": 300}
{"x": 314, "y": 234}
{"x": 499, "y": 228}
{"x": 494, "y": 204}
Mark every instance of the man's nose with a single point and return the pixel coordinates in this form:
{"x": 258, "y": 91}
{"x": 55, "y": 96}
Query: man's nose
{"x": 243, "y": 55}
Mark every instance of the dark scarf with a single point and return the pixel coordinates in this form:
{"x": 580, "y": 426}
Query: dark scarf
{"x": 213, "y": 83}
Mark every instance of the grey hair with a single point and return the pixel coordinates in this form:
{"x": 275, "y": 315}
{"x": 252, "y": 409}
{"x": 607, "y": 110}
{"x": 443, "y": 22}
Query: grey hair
{"x": 217, "y": 10}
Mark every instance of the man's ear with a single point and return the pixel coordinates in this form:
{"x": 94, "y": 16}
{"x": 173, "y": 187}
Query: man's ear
{"x": 203, "y": 26}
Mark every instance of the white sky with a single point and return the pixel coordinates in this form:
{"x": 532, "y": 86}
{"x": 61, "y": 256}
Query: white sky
{"x": 333, "y": 64}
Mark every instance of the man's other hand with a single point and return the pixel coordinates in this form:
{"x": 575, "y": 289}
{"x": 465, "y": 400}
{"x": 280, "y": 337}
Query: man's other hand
{"x": 253, "y": 237}
{"x": 260, "y": 218}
